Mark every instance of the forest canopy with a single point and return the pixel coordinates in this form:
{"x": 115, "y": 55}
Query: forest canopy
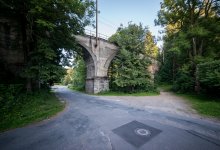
{"x": 46, "y": 28}
{"x": 191, "y": 44}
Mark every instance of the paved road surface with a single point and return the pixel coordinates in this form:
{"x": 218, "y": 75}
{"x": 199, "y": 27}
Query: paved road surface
{"x": 90, "y": 123}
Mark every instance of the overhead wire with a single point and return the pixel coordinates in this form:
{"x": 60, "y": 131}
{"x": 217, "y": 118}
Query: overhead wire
{"x": 108, "y": 21}
{"x": 104, "y": 21}
{"x": 107, "y": 24}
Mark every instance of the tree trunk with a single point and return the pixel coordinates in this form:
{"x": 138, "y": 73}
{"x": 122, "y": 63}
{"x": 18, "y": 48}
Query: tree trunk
{"x": 201, "y": 49}
{"x": 174, "y": 65}
{"x": 25, "y": 46}
{"x": 29, "y": 85}
{"x": 194, "y": 47}
{"x": 197, "y": 83}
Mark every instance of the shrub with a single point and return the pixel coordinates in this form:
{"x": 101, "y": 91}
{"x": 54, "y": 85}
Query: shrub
{"x": 9, "y": 96}
{"x": 184, "y": 80}
{"x": 209, "y": 76}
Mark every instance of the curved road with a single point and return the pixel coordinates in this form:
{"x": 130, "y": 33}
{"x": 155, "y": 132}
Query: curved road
{"x": 90, "y": 123}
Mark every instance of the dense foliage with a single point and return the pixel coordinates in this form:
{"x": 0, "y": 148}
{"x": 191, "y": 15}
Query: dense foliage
{"x": 47, "y": 29}
{"x": 67, "y": 79}
{"x": 79, "y": 75}
{"x": 191, "y": 38}
{"x": 9, "y": 97}
{"x": 209, "y": 76}
{"x": 76, "y": 76}
{"x": 129, "y": 70}
{"x": 43, "y": 32}
{"x": 19, "y": 108}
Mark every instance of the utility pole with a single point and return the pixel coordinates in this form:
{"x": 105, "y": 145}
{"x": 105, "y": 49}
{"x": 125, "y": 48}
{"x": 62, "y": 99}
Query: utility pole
{"x": 96, "y": 22}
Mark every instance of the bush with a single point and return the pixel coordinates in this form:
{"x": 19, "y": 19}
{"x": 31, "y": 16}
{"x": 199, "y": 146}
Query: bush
{"x": 9, "y": 96}
{"x": 79, "y": 76}
{"x": 209, "y": 76}
{"x": 184, "y": 80}
{"x": 22, "y": 108}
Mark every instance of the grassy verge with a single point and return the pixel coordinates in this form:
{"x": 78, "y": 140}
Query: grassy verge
{"x": 111, "y": 93}
{"x": 203, "y": 104}
{"x": 29, "y": 108}
{"x": 165, "y": 87}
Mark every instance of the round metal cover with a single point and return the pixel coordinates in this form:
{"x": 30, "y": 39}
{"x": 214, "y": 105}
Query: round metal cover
{"x": 142, "y": 132}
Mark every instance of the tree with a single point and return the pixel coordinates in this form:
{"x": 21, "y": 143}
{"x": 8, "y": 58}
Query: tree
{"x": 68, "y": 78}
{"x": 47, "y": 29}
{"x": 129, "y": 70}
{"x": 191, "y": 38}
{"x": 79, "y": 74}
{"x": 209, "y": 76}
{"x": 151, "y": 48}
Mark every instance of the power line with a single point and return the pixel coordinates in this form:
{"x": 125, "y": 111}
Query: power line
{"x": 107, "y": 20}
{"x": 107, "y": 24}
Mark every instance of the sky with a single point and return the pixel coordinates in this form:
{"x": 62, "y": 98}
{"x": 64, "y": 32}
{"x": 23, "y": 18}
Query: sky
{"x": 116, "y": 12}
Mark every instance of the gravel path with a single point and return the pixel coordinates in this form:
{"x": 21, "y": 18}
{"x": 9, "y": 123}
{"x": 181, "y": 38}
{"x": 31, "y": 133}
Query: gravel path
{"x": 165, "y": 102}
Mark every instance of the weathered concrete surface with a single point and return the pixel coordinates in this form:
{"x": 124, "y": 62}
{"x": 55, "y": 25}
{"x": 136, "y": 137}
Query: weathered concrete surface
{"x": 98, "y": 58}
{"x": 11, "y": 41}
{"x": 88, "y": 122}
{"x": 11, "y": 49}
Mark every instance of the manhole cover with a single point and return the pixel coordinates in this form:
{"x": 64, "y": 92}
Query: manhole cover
{"x": 142, "y": 132}
{"x": 136, "y": 133}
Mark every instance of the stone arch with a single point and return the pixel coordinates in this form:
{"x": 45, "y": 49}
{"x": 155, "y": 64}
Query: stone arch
{"x": 87, "y": 49}
{"x": 109, "y": 60}
{"x": 89, "y": 59}
{"x": 97, "y": 58}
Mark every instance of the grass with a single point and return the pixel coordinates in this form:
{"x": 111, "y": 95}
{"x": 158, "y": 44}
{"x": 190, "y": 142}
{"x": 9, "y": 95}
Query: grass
{"x": 111, "y": 93}
{"x": 165, "y": 87}
{"x": 204, "y": 105}
{"x": 30, "y": 108}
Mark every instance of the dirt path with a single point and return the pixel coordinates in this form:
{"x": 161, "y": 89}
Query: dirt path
{"x": 165, "y": 102}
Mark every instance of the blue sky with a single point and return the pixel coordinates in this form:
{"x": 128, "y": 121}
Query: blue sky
{"x": 116, "y": 12}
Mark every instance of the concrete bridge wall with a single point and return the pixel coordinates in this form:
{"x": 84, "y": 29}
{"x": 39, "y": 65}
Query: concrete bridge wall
{"x": 11, "y": 49}
{"x": 98, "y": 58}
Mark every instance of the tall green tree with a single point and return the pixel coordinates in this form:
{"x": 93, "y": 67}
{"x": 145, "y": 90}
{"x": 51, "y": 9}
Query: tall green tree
{"x": 129, "y": 70}
{"x": 79, "y": 74}
{"x": 191, "y": 37}
{"x": 68, "y": 78}
{"x": 151, "y": 48}
{"x": 47, "y": 28}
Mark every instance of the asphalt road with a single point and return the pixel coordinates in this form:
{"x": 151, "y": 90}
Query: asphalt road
{"x": 90, "y": 123}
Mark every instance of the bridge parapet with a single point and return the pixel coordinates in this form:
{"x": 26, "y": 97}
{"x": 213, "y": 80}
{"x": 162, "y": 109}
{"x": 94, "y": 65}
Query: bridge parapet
{"x": 93, "y": 35}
